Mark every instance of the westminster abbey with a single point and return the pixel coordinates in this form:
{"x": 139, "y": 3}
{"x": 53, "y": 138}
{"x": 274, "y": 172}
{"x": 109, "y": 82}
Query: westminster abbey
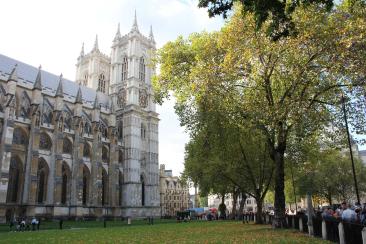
{"x": 86, "y": 148}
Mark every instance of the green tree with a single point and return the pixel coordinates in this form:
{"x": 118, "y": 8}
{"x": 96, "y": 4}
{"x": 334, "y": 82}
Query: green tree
{"x": 282, "y": 88}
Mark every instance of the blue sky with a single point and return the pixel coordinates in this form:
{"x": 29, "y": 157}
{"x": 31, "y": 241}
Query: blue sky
{"x": 51, "y": 33}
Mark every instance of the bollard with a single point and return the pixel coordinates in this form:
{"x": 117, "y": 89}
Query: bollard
{"x": 301, "y": 227}
{"x": 364, "y": 235}
{"x": 129, "y": 220}
{"x": 342, "y": 239}
{"x": 324, "y": 230}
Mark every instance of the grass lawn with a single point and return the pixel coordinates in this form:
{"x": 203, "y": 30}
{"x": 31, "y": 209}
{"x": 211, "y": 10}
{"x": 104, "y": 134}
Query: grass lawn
{"x": 193, "y": 232}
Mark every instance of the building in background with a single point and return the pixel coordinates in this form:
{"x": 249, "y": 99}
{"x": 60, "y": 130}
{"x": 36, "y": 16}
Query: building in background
{"x": 81, "y": 149}
{"x": 174, "y": 196}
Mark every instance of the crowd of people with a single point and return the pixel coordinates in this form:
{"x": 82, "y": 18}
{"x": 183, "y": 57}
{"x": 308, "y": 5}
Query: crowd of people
{"x": 347, "y": 212}
{"x": 23, "y": 224}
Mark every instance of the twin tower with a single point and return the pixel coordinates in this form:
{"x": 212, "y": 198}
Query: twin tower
{"x": 125, "y": 77}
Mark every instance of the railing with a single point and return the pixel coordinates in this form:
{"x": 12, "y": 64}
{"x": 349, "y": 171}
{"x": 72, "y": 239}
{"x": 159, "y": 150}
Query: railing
{"x": 330, "y": 229}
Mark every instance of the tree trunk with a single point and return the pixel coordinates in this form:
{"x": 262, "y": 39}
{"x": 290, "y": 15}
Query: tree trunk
{"x": 259, "y": 219}
{"x": 241, "y": 205}
{"x": 235, "y": 200}
{"x": 279, "y": 201}
{"x": 310, "y": 211}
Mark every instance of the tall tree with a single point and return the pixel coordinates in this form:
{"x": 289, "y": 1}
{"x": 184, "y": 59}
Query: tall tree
{"x": 281, "y": 88}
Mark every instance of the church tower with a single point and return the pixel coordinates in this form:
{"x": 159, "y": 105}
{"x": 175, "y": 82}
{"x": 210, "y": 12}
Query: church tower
{"x": 131, "y": 91}
{"x": 92, "y": 69}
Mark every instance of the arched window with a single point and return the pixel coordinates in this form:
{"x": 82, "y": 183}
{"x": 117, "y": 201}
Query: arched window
{"x": 143, "y": 131}
{"x": 86, "y": 150}
{"x": 67, "y": 120}
{"x": 15, "y": 181}
{"x": 20, "y": 137}
{"x": 101, "y": 83}
{"x": 120, "y": 130}
{"x": 65, "y": 182}
{"x": 45, "y": 142}
{"x": 120, "y": 157}
{"x": 47, "y": 114}
{"x": 25, "y": 106}
{"x": 67, "y": 146}
{"x": 142, "y": 69}
{"x": 87, "y": 128}
{"x": 124, "y": 68}
{"x": 105, "y": 154}
{"x": 85, "y": 81}
{"x": 86, "y": 180}
{"x": 142, "y": 190}
{"x": 42, "y": 179}
{"x": 104, "y": 187}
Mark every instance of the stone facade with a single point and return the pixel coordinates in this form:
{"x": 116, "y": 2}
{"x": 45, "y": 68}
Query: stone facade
{"x": 173, "y": 195}
{"x": 81, "y": 149}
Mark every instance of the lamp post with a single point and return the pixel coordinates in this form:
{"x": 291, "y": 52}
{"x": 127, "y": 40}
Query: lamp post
{"x": 350, "y": 147}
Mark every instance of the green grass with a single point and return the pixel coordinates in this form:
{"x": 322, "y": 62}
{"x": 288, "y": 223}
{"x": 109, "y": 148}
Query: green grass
{"x": 193, "y": 232}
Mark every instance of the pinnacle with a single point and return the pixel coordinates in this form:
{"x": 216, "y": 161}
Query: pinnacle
{"x": 38, "y": 82}
{"x": 79, "y": 96}
{"x": 60, "y": 90}
{"x": 135, "y": 26}
{"x": 13, "y": 74}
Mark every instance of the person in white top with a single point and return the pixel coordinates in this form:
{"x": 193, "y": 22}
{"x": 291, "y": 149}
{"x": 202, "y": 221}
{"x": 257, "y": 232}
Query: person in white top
{"x": 349, "y": 214}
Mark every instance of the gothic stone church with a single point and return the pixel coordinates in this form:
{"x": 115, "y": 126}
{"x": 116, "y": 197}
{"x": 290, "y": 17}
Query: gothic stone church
{"x": 81, "y": 149}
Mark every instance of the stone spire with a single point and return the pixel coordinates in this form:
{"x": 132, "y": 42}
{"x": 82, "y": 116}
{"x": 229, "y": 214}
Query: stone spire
{"x": 135, "y": 26}
{"x": 96, "y": 102}
{"x": 38, "y": 82}
{"x": 13, "y": 74}
{"x": 82, "y": 51}
{"x": 60, "y": 90}
{"x": 96, "y": 48}
{"x": 79, "y": 96}
{"x": 151, "y": 35}
{"x": 118, "y": 34}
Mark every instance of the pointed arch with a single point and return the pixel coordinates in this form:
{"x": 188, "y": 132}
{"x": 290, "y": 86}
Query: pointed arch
{"x": 120, "y": 130}
{"x": 101, "y": 83}
{"x": 87, "y": 124}
{"x": 124, "y": 68}
{"x": 85, "y": 185}
{"x": 47, "y": 112}
{"x": 86, "y": 150}
{"x": 15, "y": 184}
{"x": 45, "y": 142}
{"x": 105, "y": 154}
{"x": 142, "y": 69}
{"x": 67, "y": 146}
{"x": 120, "y": 157}
{"x": 105, "y": 182}
{"x": 103, "y": 128}
{"x": 67, "y": 118}
{"x": 25, "y": 105}
{"x": 42, "y": 180}
{"x": 65, "y": 187}
{"x": 20, "y": 136}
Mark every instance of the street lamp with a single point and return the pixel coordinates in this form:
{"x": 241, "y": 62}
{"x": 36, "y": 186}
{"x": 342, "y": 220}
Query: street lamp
{"x": 350, "y": 147}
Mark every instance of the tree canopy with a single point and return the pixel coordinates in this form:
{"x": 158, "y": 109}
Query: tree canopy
{"x": 288, "y": 88}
